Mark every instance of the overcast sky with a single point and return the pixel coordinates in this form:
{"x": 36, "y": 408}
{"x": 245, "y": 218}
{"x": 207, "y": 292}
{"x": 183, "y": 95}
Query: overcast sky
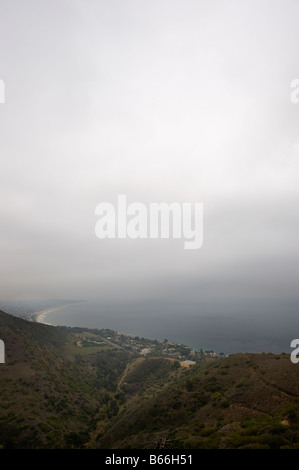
{"x": 161, "y": 100}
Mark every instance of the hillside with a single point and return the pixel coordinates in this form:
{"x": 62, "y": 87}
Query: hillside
{"x": 49, "y": 396}
{"x": 243, "y": 401}
{"x": 73, "y": 388}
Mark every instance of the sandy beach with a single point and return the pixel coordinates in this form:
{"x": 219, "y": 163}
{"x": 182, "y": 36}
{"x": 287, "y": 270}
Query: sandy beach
{"x": 39, "y": 317}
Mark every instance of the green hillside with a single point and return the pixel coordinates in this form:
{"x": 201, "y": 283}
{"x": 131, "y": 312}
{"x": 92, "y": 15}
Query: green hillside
{"x": 243, "y": 401}
{"x": 75, "y": 388}
{"x": 49, "y": 395}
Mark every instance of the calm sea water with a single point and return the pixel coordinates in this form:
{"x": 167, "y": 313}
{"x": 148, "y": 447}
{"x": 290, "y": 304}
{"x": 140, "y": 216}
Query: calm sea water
{"x": 228, "y": 332}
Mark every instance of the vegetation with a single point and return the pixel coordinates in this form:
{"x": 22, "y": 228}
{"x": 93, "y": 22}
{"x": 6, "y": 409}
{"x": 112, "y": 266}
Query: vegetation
{"x": 79, "y": 388}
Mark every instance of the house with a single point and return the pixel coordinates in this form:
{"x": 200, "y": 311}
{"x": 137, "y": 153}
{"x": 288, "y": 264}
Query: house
{"x": 145, "y": 351}
{"x": 188, "y": 363}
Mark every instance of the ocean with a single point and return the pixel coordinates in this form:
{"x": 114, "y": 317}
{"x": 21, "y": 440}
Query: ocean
{"x": 252, "y": 331}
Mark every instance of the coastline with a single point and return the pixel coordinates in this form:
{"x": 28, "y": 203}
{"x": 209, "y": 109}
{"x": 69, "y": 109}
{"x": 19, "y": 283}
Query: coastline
{"x": 209, "y": 332}
{"x": 39, "y": 317}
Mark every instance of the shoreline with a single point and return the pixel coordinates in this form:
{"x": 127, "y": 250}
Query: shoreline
{"x": 39, "y": 317}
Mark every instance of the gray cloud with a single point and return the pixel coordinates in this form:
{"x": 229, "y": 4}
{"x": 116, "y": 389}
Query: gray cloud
{"x": 164, "y": 101}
